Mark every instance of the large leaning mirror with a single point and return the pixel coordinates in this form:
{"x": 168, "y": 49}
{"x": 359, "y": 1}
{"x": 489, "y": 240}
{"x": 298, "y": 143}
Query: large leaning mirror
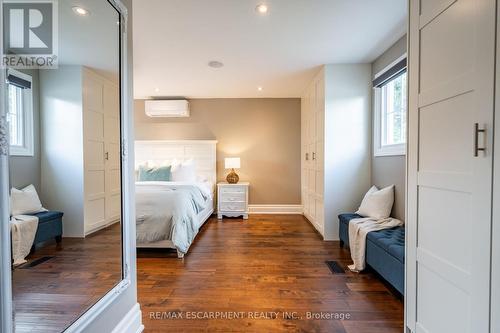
{"x": 65, "y": 165}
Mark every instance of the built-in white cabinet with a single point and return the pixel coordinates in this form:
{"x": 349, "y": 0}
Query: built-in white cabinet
{"x": 80, "y": 148}
{"x": 449, "y": 267}
{"x": 335, "y": 144}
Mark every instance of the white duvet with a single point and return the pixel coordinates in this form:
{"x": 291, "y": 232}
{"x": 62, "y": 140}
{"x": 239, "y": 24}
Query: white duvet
{"x": 169, "y": 211}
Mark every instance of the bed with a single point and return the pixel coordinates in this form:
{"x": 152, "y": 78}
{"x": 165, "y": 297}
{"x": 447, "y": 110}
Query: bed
{"x": 170, "y": 214}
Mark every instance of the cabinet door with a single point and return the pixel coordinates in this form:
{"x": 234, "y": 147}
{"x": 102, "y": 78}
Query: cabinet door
{"x": 319, "y": 218}
{"x": 449, "y": 190}
{"x": 94, "y": 153}
{"x": 311, "y": 180}
{"x": 320, "y": 110}
{"x": 305, "y": 201}
{"x": 312, "y": 207}
{"x": 112, "y": 154}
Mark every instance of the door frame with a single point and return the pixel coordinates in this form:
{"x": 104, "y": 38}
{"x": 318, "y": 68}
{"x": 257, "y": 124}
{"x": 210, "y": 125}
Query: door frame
{"x": 411, "y": 163}
{"x": 5, "y": 249}
{"x": 495, "y": 223}
{"x": 128, "y": 199}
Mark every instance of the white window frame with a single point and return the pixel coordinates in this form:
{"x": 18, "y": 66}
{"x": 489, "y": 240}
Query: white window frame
{"x": 378, "y": 149}
{"x": 27, "y": 149}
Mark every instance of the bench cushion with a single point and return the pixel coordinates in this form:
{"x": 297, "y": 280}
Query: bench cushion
{"x": 49, "y": 226}
{"x": 344, "y": 226}
{"x": 391, "y": 241}
{"x": 44, "y": 217}
{"x": 385, "y": 250}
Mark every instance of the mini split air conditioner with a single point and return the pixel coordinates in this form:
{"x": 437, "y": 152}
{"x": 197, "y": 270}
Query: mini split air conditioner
{"x": 167, "y": 108}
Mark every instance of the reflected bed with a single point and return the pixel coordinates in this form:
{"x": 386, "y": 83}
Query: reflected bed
{"x": 169, "y": 214}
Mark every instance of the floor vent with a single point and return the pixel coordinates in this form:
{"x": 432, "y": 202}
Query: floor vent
{"x": 35, "y": 262}
{"x": 334, "y": 266}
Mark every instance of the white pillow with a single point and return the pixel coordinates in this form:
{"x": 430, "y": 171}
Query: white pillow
{"x": 377, "y": 203}
{"x": 184, "y": 172}
{"x": 25, "y": 201}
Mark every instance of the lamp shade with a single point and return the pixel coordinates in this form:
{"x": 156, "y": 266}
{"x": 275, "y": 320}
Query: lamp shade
{"x": 232, "y": 162}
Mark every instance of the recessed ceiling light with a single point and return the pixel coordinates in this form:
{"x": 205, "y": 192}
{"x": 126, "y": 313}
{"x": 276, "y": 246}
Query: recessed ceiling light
{"x": 262, "y": 9}
{"x": 157, "y": 89}
{"x": 215, "y": 64}
{"x": 81, "y": 11}
{"x": 259, "y": 88}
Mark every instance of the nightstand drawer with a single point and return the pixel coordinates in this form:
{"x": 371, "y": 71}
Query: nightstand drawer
{"x": 232, "y": 206}
{"x": 233, "y": 189}
{"x": 231, "y": 197}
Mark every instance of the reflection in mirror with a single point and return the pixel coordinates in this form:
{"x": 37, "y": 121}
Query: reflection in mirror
{"x": 65, "y": 172}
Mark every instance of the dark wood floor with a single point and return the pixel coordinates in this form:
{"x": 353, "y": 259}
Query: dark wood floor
{"x": 50, "y": 296}
{"x": 267, "y": 264}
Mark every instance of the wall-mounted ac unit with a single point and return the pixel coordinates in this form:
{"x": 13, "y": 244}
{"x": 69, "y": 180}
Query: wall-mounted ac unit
{"x": 167, "y": 108}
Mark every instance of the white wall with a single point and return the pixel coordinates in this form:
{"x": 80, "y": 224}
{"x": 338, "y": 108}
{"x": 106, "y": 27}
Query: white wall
{"x": 61, "y": 117}
{"x": 347, "y": 141}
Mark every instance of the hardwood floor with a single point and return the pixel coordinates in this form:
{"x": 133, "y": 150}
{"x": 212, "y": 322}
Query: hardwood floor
{"x": 48, "y": 297}
{"x": 268, "y": 265}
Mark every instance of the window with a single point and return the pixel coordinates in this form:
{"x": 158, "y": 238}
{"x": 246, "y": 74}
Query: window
{"x": 20, "y": 113}
{"x": 390, "y": 115}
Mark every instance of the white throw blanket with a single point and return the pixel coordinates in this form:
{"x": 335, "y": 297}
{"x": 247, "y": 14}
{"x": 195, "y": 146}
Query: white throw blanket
{"x": 23, "y": 229}
{"x": 358, "y": 229}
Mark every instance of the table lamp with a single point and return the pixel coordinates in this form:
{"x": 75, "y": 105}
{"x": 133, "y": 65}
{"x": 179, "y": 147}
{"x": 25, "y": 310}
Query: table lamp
{"x": 232, "y": 163}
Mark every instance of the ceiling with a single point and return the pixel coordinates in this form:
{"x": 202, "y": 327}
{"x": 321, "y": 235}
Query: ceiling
{"x": 281, "y": 51}
{"x": 91, "y": 40}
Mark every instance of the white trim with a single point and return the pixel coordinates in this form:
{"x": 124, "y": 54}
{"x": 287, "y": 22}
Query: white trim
{"x": 98, "y": 308}
{"x": 275, "y": 209}
{"x": 5, "y": 254}
{"x": 131, "y": 323}
{"x": 386, "y": 68}
{"x": 28, "y": 131}
{"x": 378, "y": 150}
{"x": 495, "y": 228}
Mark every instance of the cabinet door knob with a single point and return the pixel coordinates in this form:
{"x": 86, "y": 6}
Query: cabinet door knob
{"x": 106, "y": 156}
{"x": 307, "y": 156}
{"x": 314, "y": 156}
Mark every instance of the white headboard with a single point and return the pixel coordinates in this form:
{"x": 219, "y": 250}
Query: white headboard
{"x": 203, "y": 153}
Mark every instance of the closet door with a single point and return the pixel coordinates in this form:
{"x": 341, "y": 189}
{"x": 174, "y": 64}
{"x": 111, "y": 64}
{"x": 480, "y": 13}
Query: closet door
{"x": 311, "y": 148}
{"x": 449, "y": 178}
{"x": 94, "y": 152}
{"x": 112, "y": 152}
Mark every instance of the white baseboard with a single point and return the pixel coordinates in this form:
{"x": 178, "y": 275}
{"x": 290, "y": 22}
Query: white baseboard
{"x": 275, "y": 209}
{"x": 131, "y": 323}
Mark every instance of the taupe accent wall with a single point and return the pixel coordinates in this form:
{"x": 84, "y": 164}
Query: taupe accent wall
{"x": 25, "y": 170}
{"x": 387, "y": 170}
{"x": 263, "y": 132}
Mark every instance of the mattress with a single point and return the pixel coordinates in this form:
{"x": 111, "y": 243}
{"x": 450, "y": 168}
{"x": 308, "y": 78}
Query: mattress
{"x": 171, "y": 211}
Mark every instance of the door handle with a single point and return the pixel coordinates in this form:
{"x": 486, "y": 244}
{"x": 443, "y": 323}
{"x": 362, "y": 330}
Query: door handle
{"x": 307, "y": 156}
{"x": 314, "y": 156}
{"x": 106, "y": 156}
{"x": 478, "y": 130}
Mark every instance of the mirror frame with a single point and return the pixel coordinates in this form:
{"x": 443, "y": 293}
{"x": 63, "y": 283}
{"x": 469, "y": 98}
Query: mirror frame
{"x": 128, "y": 209}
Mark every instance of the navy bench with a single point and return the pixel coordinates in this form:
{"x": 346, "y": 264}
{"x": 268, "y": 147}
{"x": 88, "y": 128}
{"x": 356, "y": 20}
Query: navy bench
{"x": 385, "y": 251}
{"x": 49, "y": 227}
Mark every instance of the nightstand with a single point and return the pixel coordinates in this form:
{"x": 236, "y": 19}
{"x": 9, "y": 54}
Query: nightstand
{"x": 232, "y": 200}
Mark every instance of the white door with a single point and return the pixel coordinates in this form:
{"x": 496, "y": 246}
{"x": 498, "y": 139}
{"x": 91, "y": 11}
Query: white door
{"x": 94, "y": 153}
{"x": 449, "y": 187}
{"x": 112, "y": 152}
